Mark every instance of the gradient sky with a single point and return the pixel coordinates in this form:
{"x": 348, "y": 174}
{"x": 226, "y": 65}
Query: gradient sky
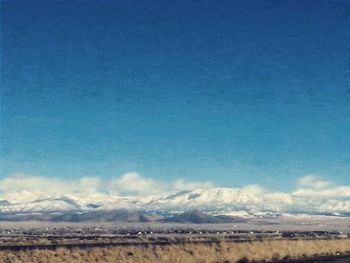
{"x": 234, "y": 92}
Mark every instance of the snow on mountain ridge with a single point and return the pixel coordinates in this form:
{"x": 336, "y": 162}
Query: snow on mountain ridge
{"x": 210, "y": 199}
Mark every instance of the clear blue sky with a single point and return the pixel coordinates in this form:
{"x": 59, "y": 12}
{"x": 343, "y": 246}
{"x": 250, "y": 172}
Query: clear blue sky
{"x": 235, "y": 92}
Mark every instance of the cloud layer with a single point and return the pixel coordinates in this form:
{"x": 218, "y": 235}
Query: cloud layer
{"x": 311, "y": 192}
{"x": 135, "y": 184}
{"x": 28, "y": 187}
{"x": 314, "y": 187}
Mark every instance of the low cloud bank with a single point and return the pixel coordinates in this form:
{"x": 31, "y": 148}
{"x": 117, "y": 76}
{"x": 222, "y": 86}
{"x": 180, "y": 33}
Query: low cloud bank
{"x": 135, "y": 184}
{"x": 314, "y": 187}
{"x": 311, "y": 192}
{"x": 25, "y": 187}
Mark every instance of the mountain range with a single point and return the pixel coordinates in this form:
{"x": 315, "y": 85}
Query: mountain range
{"x": 212, "y": 205}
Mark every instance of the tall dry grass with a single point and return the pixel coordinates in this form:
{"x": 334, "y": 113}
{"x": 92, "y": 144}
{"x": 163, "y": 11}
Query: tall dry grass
{"x": 268, "y": 250}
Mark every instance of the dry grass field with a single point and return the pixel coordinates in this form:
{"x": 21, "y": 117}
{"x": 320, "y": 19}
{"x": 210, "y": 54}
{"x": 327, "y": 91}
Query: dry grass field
{"x": 253, "y": 251}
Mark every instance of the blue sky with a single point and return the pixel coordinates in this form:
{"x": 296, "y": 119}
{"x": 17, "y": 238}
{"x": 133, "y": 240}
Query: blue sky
{"x": 232, "y": 92}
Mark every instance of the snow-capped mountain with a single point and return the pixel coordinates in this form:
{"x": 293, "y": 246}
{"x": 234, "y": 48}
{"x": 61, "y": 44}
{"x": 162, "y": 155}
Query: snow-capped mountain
{"x": 217, "y": 201}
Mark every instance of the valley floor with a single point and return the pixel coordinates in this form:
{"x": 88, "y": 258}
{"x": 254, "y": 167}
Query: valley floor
{"x": 255, "y": 240}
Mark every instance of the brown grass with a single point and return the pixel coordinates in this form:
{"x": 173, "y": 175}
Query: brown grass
{"x": 268, "y": 250}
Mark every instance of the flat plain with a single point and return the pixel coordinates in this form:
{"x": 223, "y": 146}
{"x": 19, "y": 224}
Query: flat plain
{"x": 287, "y": 239}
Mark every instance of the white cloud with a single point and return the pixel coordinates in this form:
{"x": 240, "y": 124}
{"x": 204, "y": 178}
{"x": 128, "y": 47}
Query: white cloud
{"x": 313, "y": 182}
{"x": 182, "y": 185}
{"x": 135, "y": 184}
{"x": 337, "y": 192}
{"x": 254, "y": 189}
{"x": 314, "y": 187}
{"x": 28, "y": 188}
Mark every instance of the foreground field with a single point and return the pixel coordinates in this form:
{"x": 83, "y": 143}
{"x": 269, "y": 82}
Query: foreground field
{"x": 201, "y": 252}
{"x": 256, "y": 239}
